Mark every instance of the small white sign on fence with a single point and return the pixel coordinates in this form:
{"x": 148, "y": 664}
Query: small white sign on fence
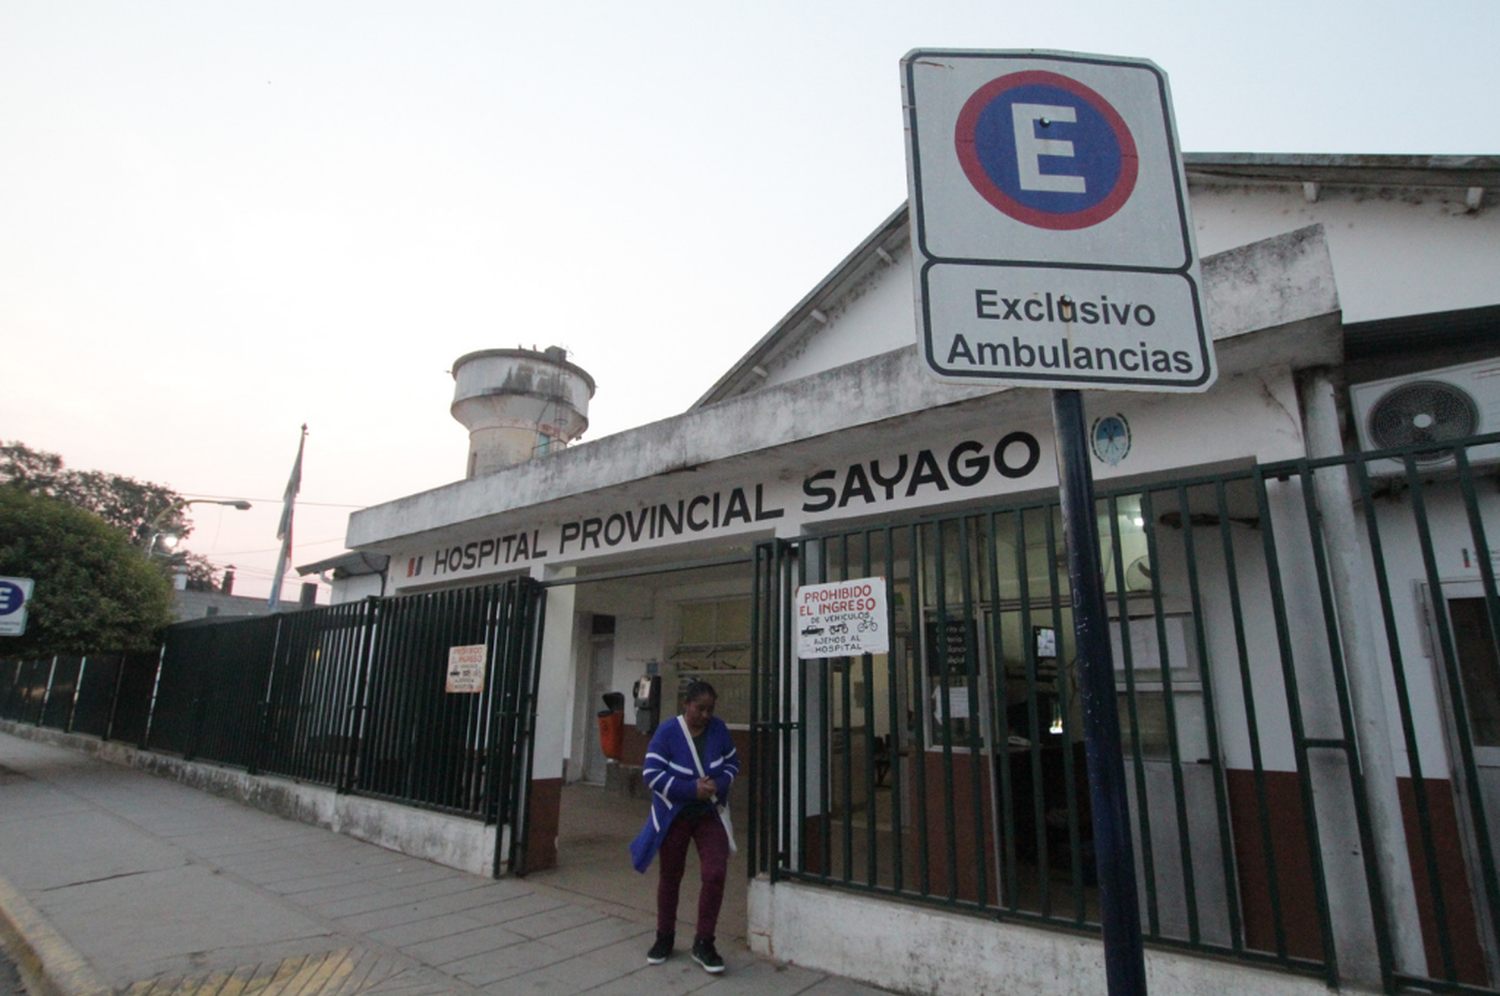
{"x": 466, "y": 669}
{"x": 842, "y": 619}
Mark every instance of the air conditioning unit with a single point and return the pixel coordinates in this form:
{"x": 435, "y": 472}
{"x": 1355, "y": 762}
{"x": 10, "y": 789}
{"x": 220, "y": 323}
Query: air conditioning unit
{"x": 1429, "y": 407}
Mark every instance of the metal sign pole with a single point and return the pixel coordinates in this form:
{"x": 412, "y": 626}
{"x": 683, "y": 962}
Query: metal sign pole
{"x": 1114, "y": 856}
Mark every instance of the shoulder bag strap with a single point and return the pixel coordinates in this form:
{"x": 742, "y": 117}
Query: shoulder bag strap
{"x": 693, "y": 749}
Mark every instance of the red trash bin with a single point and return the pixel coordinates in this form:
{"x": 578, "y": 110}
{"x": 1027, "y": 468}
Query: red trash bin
{"x": 612, "y": 734}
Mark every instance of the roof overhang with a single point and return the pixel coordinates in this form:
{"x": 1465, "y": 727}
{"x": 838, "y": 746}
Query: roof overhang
{"x": 350, "y": 564}
{"x": 1419, "y": 172}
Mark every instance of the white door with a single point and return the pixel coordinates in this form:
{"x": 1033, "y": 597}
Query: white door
{"x": 1473, "y": 708}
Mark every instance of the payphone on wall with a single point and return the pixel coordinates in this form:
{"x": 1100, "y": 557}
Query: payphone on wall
{"x": 647, "y": 693}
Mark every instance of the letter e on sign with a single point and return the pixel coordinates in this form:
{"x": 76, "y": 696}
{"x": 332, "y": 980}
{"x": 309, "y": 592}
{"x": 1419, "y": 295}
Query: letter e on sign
{"x": 466, "y": 669}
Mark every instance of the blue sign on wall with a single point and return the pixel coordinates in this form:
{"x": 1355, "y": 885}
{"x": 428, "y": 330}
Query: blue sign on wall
{"x": 14, "y": 594}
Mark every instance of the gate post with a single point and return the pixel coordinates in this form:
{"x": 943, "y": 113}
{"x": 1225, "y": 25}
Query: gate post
{"x": 542, "y": 800}
{"x": 1371, "y": 716}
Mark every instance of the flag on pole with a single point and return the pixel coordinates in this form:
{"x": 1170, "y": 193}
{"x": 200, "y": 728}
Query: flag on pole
{"x": 284, "y": 530}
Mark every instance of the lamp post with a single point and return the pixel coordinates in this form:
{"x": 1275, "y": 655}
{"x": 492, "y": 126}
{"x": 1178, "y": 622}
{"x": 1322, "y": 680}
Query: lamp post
{"x": 154, "y": 532}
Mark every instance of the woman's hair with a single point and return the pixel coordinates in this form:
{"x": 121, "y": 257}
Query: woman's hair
{"x": 696, "y": 689}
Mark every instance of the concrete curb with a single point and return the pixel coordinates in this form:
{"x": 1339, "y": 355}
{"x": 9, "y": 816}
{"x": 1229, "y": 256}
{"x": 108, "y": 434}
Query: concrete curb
{"x": 456, "y": 842}
{"x": 48, "y": 964}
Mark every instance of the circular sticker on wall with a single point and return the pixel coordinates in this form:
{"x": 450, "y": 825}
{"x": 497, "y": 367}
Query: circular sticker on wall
{"x": 1046, "y": 150}
{"x": 1110, "y": 439}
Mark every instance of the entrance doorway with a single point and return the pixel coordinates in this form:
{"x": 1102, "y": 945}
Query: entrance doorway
{"x": 675, "y": 621}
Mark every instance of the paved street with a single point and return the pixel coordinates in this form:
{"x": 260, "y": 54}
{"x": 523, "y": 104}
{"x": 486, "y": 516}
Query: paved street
{"x": 164, "y": 889}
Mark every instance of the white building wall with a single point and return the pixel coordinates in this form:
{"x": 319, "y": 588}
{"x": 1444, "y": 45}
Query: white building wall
{"x": 1395, "y": 252}
{"x": 353, "y": 589}
{"x": 638, "y": 645}
{"x": 876, "y": 317}
{"x": 554, "y": 682}
{"x": 945, "y": 954}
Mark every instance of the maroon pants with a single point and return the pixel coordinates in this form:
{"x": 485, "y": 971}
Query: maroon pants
{"x": 713, "y": 856}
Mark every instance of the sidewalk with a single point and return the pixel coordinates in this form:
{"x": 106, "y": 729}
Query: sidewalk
{"x": 124, "y": 882}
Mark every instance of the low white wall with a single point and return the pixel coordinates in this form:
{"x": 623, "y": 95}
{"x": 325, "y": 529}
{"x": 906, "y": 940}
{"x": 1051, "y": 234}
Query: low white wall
{"x": 467, "y": 845}
{"x": 912, "y": 949}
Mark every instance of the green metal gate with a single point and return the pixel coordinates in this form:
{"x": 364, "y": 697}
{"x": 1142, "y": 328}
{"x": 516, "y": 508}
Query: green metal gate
{"x": 950, "y": 771}
{"x": 352, "y": 697}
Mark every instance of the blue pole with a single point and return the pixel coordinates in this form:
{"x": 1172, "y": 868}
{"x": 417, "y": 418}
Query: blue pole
{"x": 1119, "y": 907}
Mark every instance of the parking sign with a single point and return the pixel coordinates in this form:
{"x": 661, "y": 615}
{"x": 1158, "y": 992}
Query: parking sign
{"x": 1053, "y": 245}
{"x": 14, "y": 594}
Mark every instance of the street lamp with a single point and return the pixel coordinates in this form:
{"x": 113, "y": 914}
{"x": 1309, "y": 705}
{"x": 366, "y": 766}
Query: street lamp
{"x": 154, "y": 532}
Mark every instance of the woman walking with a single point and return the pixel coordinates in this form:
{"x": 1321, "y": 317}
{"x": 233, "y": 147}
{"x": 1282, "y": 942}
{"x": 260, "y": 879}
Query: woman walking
{"x": 690, "y": 765}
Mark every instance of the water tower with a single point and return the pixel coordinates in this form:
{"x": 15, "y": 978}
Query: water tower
{"x": 519, "y": 403}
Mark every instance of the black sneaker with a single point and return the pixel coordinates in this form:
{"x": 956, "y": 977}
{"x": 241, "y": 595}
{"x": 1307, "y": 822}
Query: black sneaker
{"x": 661, "y": 950}
{"x": 705, "y": 954}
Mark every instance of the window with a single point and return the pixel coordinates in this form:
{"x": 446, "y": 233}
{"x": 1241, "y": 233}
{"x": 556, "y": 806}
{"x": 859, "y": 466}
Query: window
{"x": 714, "y": 646}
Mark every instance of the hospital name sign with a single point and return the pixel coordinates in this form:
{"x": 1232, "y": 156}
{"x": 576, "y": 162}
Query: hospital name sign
{"x": 892, "y": 481}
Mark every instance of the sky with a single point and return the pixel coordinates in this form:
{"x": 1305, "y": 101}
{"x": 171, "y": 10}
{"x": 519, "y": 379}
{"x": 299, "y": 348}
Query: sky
{"x": 219, "y": 221}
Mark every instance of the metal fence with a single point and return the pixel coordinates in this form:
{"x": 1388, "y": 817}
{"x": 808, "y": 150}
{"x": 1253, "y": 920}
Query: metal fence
{"x": 353, "y": 697}
{"x": 951, "y": 771}
{"x": 72, "y": 694}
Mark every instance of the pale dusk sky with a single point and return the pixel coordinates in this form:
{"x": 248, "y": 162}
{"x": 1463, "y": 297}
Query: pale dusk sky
{"x": 221, "y": 220}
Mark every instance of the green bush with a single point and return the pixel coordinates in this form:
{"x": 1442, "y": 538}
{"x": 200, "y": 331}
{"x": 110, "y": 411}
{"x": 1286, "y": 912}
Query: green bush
{"x": 95, "y": 593}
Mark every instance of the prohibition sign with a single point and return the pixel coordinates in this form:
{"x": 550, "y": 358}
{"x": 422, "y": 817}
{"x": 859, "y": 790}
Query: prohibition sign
{"x": 1046, "y": 150}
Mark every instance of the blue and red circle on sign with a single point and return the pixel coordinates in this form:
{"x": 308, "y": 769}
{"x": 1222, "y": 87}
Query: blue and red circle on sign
{"x": 12, "y": 597}
{"x": 1046, "y": 150}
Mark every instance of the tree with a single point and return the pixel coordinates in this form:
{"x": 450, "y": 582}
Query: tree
{"x": 127, "y": 504}
{"x": 94, "y": 593}
{"x": 202, "y": 575}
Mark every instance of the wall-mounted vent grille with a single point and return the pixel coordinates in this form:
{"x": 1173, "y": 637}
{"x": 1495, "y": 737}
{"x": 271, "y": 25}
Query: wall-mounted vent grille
{"x": 1426, "y": 411}
{"x": 1435, "y": 406}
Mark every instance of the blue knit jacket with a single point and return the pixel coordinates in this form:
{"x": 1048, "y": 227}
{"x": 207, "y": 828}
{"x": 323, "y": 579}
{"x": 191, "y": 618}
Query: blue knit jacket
{"x": 673, "y": 780}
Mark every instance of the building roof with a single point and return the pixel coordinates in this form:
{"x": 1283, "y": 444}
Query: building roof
{"x": 1345, "y": 170}
{"x": 1478, "y": 175}
{"x": 190, "y": 605}
{"x": 349, "y": 564}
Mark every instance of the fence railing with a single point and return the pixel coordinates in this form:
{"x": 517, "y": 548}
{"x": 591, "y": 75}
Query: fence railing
{"x": 72, "y": 694}
{"x": 352, "y": 697}
{"x": 950, "y": 771}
